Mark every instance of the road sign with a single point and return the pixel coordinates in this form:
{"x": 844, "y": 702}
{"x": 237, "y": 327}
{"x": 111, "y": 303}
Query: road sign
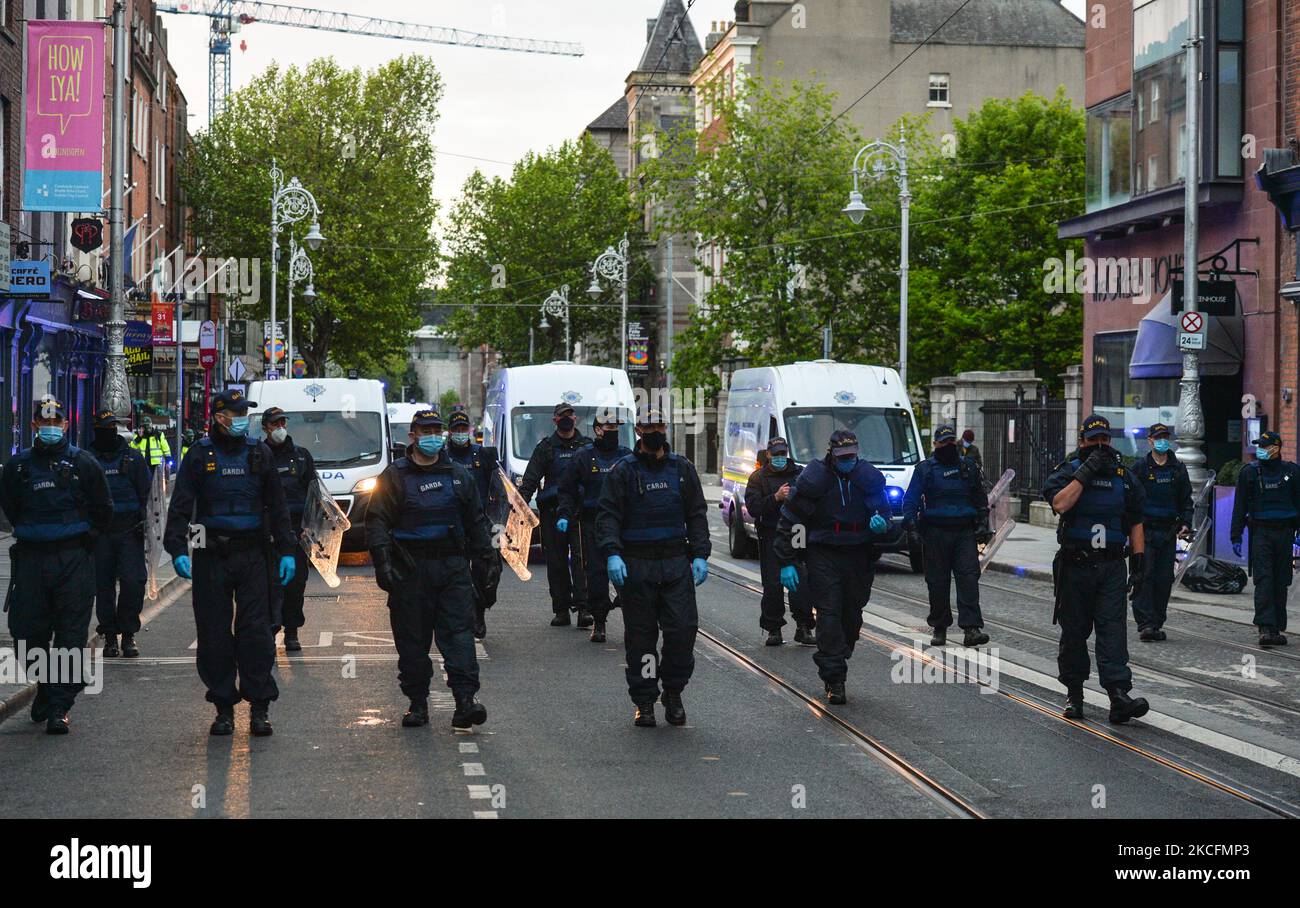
{"x": 271, "y": 375}
{"x": 208, "y": 344}
{"x": 1193, "y": 322}
{"x": 237, "y": 370}
{"x": 232, "y": 386}
{"x": 1189, "y": 341}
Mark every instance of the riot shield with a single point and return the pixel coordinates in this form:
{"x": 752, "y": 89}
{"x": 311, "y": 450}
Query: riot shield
{"x": 323, "y": 526}
{"x": 1204, "y": 526}
{"x": 155, "y": 521}
{"x": 1000, "y": 520}
{"x": 512, "y": 527}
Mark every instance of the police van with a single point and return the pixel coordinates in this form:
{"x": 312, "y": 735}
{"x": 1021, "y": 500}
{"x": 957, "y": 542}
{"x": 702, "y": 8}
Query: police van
{"x": 343, "y": 422}
{"x": 399, "y": 423}
{"x": 804, "y": 403}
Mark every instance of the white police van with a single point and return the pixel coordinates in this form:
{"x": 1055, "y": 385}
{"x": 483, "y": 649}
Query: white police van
{"x": 399, "y": 422}
{"x": 804, "y": 403}
{"x": 343, "y": 422}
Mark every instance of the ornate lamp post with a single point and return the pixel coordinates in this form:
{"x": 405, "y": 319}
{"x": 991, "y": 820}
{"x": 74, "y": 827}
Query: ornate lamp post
{"x": 290, "y": 203}
{"x": 612, "y": 266}
{"x": 557, "y": 304}
{"x": 300, "y": 269}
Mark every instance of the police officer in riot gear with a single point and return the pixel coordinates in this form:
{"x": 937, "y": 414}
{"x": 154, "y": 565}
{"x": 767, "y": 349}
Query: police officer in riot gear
{"x": 119, "y": 553}
{"x": 57, "y": 499}
{"x": 946, "y": 498}
{"x": 837, "y": 505}
{"x": 297, "y": 469}
{"x": 1268, "y": 502}
{"x": 652, "y": 528}
{"x": 580, "y": 487}
{"x": 228, "y": 499}
{"x": 1166, "y": 514}
{"x": 766, "y": 492}
{"x": 482, "y": 465}
{"x": 545, "y": 467}
{"x": 1100, "y": 504}
{"x": 423, "y": 526}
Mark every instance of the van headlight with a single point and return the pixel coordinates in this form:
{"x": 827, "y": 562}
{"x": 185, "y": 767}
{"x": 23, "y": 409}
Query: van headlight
{"x": 366, "y": 485}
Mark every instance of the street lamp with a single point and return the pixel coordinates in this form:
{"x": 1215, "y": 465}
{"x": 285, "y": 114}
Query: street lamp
{"x": 612, "y": 266}
{"x": 300, "y": 269}
{"x": 290, "y": 203}
{"x": 884, "y": 158}
{"x": 557, "y": 304}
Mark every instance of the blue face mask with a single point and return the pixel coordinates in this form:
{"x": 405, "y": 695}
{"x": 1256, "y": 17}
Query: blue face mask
{"x": 239, "y": 426}
{"x": 779, "y": 463}
{"x": 846, "y": 464}
{"x": 1161, "y": 444}
{"x": 1261, "y": 453}
{"x": 50, "y": 435}
{"x": 460, "y": 438}
{"x": 431, "y": 444}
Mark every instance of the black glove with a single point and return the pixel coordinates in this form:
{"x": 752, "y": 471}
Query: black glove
{"x": 1137, "y": 569}
{"x": 493, "y": 570}
{"x": 983, "y": 536}
{"x": 1098, "y": 462}
{"x": 386, "y": 574}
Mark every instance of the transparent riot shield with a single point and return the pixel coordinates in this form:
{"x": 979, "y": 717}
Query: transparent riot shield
{"x": 512, "y": 527}
{"x": 1203, "y": 527}
{"x": 155, "y": 521}
{"x": 1000, "y": 520}
{"x": 323, "y": 526}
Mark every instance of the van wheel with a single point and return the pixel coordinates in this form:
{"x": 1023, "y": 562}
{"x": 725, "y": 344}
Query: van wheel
{"x": 916, "y": 559}
{"x": 738, "y": 544}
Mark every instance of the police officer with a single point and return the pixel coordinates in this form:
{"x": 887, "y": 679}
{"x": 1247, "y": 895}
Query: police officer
{"x": 652, "y": 528}
{"x": 766, "y": 491}
{"x": 1268, "y": 501}
{"x": 152, "y": 444}
{"x": 119, "y": 553}
{"x": 1100, "y": 504}
{"x": 423, "y": 520}
{"x": 545, "y": 468}
{"x": 187, "y": 441}
{"x": 1166, "y": 514}
{"x": 837, "y": 505}
{"x": 296, "y": 468}
{"x": 482, "y": 465}
{"x": 580, "y": 487}
{"x": 56, "y": 497}
{"x": 228, "y": 489}
{"x": 946, "y": 498}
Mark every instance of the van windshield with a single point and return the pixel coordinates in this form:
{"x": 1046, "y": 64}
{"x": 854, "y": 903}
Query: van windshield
{"x": 529, "y": 425}
{"x": 336, "y": 441}
{"x": 885, "y": 435}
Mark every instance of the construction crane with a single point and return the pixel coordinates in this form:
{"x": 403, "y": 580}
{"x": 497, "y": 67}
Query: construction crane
{"x": 229, "y": 16}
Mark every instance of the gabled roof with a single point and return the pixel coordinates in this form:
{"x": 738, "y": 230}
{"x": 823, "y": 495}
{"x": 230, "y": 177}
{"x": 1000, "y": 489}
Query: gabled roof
{"x": 614, "y": 118}
{"x": 673, "y": 40}
{"x": 1031, "y": 23}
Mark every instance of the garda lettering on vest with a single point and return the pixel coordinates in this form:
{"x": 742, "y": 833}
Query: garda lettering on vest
{"x": 46, "y": 484}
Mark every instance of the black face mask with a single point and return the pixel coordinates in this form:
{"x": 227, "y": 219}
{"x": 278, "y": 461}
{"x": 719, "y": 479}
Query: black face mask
{"x": 654, "y": 441}
{"x": 565, "y": 423}
{"x": 105, "y": 439}
{"x": 946, "y": 454}
{"x": 607, "y": 442}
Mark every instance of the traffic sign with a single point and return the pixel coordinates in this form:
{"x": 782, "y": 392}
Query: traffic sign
{"x": 271, "y": 375}
{"x": 1193, "y": 322}
{"x": 208, "y": 344}
{"x": 237, "y": 370}
{"x": 1191, "y": 341}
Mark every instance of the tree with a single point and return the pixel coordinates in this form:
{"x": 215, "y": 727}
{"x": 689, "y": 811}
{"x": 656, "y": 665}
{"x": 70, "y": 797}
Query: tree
{"x": 362, "y": 144}
{"x": 511, "y": 243}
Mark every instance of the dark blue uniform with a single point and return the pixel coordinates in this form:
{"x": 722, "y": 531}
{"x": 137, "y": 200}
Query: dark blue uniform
{"x": 1166, "y": 511}
{"x": 119, "y": 553}
{"x": 56, "y": 497}
{"x": 296, "y": 468}
{"x": 1092, "y": 574}
{"x": 482, "y": 465}
{"x": 834, "y": 511}
{"x": 761, "y": 503}
{"x": 550, "y": 459}
{"x": 579, "y": 496}
{"x": 1268, "y": 502}
{"x": 229, "y": 487}
{"x": 947, "y": 498}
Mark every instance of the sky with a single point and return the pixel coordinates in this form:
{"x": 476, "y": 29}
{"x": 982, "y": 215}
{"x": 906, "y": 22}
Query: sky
{"x": 497, "y": 106}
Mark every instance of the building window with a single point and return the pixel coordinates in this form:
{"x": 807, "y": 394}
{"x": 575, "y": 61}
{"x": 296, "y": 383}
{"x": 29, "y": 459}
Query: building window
{"x": 1108, "y": 154}
{"x": 939, "y": 90}
{"x": 1159, "y": 30}
{"x": 1165, "y": 88}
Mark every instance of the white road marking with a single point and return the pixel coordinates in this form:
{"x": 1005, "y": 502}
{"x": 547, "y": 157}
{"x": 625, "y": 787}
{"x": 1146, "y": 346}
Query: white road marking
{"x": 485, "y": 815}
{"x": 473, "y": 769}
{"x": 479, "y": 792}
{"x": 468, "y": 747}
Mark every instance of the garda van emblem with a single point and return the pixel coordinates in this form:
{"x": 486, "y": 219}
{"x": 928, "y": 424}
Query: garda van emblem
{"x": 845, "y": 397}
{"x": 571, "y": 397}
{"x": 314, "y": 390}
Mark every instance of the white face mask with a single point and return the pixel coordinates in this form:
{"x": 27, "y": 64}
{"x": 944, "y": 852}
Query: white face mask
{"x": 279, "y": 435}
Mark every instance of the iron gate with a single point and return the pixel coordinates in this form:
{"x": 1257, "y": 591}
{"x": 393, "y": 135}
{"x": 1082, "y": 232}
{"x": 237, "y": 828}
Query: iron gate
{"x": 1028, "y": 437}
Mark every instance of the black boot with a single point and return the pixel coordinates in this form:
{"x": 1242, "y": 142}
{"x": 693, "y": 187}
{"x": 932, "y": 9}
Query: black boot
{"x": 940, "y": 637}
{"x": 774, "y": 638}
{"x": 417, "y": 714}
{"x": 1123, "y": 707}
{"x": 835, "y": 693}
{"x": 259, "y": 724}
{"x": 468, "y": 713}
{"x": 805, "y": 635}
{"x": 40, "y": 705}
{"x": 291, "y": 644}
{"x": 674, "y": 711}
{"x": 598, "y": 631}
{"x": 1266, "y": 635}
{"x": 1279, "y": 639}
{"x": 58, "y": 722}
{"x": 129, "y": 649}
{"x": 1158, "y": 635}
{"x": 585, "y": 618}
{"x": 1074, "y": 704}
{"x": 110, "y": 646}
{"x": 480, "y": 622}
{"x": 224, "y": 723}
{"x": 645, "y": 715}
{"x": 1146, "y": 634}
{"x": 975, "y": 636}
{"x": 561, "y": 619}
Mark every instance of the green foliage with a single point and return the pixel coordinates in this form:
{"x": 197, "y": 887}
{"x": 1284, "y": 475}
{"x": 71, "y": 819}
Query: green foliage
{"x": 450, "y": 398}
{"x": 362, "y": 144}
{"x": 1228, "y": 473}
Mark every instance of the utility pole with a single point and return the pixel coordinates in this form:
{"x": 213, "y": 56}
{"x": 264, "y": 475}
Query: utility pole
{"x": 668, "y": 341}
{"x": 114, "y": 395}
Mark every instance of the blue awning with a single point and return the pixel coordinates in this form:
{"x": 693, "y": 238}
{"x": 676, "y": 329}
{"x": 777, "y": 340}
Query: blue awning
{"x": 1156, "y": 353}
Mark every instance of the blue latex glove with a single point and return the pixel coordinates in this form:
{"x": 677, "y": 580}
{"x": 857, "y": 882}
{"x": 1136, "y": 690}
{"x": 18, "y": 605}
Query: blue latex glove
{"x": 562, "y": 524}
{"x": 878, "y": 524}
{"x": 790, "y": 577}
{"x": 287, "y": 569}
{"x": 616, "y": 568}
{"x": 1236, "y": 549}
{"x": 700, "y": 570}
{"x": 182, "y": 565}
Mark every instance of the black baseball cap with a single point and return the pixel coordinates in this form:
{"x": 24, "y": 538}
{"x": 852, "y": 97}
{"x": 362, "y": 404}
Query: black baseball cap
{"x": 105, "y": 419}
{"x": 459, "y": 417}
{"x": 427, "y": 418}
{"x": 607, "y": 416}
{"x": 651, "y": 418}
{"x": 1158, "y": 430}
{"x": 1095, "y": 426}
{"x": 1267, "y": 439}
{"x": 843, "y": 443}
{"x": 49, "y": 407}
{"x": 945, "y": 433}
{"x": 563, "y": 407}
{"x": 232, "y": 401}
{"x": 778, "y": 446}
{"x": 273, "y": 414}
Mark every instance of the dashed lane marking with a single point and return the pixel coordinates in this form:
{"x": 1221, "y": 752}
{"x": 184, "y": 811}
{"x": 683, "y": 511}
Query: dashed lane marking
{"x": 473, "y": 769}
